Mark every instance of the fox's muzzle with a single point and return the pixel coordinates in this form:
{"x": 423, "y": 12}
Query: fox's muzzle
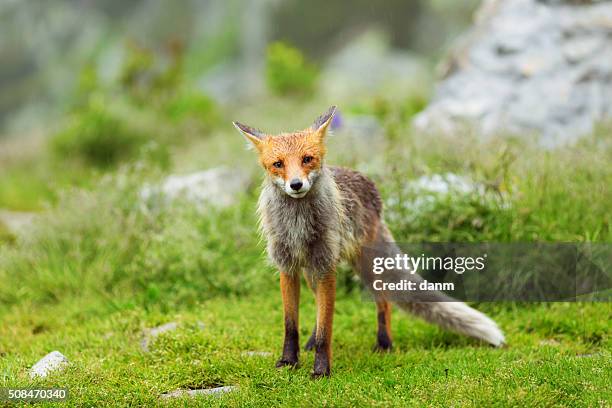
{"x": 296, "y": 184}
{"x": 297, "y": 187}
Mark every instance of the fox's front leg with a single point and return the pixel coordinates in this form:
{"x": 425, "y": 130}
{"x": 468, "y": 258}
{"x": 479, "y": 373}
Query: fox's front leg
{"x": 325, "y": 293}
{"x": 290, "y": 292}
{"x": 309, "y": 346}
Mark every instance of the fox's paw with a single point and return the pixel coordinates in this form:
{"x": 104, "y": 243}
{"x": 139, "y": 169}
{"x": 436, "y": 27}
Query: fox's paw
{"x": 283, "y": 362}
{"x": 316, "y": 374}
{"x": 382, "y": 348}
{"x": 322, "y": 366}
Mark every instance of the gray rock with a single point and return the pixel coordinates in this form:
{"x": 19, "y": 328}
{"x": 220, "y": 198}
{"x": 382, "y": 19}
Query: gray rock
{"x": 424, "y": 194}
{"x": 549, "y": 342}
{"x": 256, "y": 354}
{"x": 532, "y": 67}
{"x": 16, "y": 221}
{"x": 54, "y": 361}
{"x": 218, "y": 187}
{"x": 204, "y": 391}
{"x": 588, "y": 355}
{"x": 446, "y": 184}
{"x": 151, "y": 334}
{"x": 427, "y": 190}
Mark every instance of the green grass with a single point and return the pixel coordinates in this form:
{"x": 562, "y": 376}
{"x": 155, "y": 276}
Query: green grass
{"x": 6, "y": 235}
{"x": 31, "y": 184}
{"x": 557, "y": 356}
{"x": 287, "y": 71}
{"x": 99, "y": 268}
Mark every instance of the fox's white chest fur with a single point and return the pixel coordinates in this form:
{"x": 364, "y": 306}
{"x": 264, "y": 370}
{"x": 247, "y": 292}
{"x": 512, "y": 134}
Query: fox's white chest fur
{"x": 303, "y": 233}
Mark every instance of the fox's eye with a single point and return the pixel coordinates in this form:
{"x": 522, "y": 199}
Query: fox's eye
{"x": 307, "y": 159}
{"x": 278, "y": 164}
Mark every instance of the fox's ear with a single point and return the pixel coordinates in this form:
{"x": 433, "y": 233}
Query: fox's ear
{"x": 322, "y": 123}
{"x": 254, "y": 136}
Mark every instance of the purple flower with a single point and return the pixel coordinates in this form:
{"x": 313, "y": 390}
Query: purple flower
{"x": 337, "y": 120}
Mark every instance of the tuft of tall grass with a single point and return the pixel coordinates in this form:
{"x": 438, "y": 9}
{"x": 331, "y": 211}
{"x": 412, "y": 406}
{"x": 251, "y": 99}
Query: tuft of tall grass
{"x": 97, "y": 136}
{"x": 105, "y": 244}
{"x": 288, "y": 72}
{"x": 531, "y": 194}
{"x": 6, "y": 236}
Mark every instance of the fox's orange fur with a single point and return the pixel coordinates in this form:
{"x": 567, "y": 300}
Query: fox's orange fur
{"x": 291, "y": 148}
{"x": 314, "y": 216}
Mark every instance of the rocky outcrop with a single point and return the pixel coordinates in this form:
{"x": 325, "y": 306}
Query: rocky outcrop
{"x": 218, "y": 187}
{"x": 542, "y": 68}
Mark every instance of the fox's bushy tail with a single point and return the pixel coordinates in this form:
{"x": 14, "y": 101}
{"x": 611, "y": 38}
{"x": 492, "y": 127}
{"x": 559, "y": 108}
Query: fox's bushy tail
{"x": 432, "y": 306}
{"x": 459, "y": 317}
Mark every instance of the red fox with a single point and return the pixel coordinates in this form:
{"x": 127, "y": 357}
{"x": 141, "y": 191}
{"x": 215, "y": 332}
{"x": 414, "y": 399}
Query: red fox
{"x": 313, "y": 216}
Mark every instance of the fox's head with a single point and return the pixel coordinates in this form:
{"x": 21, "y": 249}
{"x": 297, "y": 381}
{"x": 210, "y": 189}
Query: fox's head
{"x": 292, "y": 160}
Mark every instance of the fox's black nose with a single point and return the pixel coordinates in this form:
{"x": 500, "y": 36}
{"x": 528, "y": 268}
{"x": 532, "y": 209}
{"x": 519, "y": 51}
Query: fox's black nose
{"x": 296, "y": 184}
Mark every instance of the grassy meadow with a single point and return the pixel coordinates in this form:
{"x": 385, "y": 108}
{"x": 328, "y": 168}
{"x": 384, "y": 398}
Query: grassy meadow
{"x": 97, "y": 267}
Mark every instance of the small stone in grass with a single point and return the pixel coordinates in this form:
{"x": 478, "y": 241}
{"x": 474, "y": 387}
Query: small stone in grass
{"x": 203, "y": 391}
{"x": 587, "y": 355}
{"x": 49, "y": 363}
{"x": 256, "y": 353}
{"x": 156, "y": 331}
{"x": 151, "y": 334}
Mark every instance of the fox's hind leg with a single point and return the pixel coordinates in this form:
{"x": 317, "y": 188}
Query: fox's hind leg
{"x": 383, "y": 335}
{"x": 379, "y": 236}
{"x": 309, "y": 346}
